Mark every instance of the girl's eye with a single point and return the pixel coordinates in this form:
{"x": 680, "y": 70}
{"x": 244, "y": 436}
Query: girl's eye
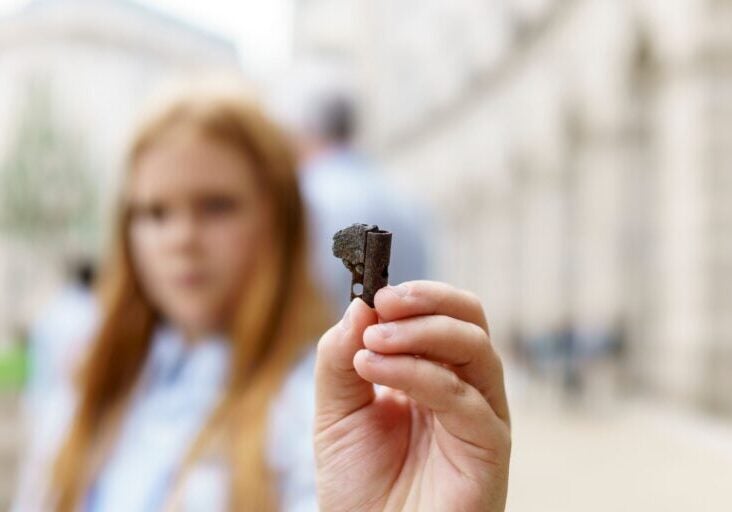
{"x": 152, "y": 212}
{"x": 218, "y": 205}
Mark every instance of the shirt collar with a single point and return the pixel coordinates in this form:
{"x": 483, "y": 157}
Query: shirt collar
{"x": 172, "y": 359}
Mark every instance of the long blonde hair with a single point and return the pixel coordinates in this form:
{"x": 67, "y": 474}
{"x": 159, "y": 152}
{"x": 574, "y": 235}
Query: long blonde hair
{"x": 279, "y": 313}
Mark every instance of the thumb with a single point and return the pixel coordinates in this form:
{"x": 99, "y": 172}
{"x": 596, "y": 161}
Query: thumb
{"x": 339, "y": 390}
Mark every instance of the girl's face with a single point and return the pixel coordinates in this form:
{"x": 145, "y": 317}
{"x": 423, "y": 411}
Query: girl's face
{"x": 198, "y": 217}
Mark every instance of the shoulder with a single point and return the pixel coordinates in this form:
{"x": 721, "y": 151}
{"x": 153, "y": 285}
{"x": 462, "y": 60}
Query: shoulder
{"x": 290, "y": 451}
{"x": 292, "y": 411}
{"x": 302, "y": 372}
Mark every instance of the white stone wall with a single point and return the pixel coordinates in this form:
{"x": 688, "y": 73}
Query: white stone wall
{"x": 101, "y": 60}
{"x": 577, "y": 155}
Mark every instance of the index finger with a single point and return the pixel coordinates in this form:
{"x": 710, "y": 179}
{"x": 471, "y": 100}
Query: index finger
{"x": 417, "y": 298}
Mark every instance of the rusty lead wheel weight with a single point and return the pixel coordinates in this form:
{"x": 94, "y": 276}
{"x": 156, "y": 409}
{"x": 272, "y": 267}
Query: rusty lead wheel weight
{"x": 365, "y": 250}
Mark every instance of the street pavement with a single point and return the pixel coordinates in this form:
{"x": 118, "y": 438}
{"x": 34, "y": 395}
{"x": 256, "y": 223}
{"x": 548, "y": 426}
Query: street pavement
{"x": 625, "y": 456}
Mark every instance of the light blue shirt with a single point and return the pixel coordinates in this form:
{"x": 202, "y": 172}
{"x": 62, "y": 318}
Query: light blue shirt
{"x": 175, "y": 395}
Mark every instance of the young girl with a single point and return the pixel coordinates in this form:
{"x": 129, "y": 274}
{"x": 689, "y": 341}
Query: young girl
{"x": 197, "y": 391}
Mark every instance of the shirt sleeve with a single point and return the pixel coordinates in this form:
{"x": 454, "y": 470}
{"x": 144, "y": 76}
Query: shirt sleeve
{"x": 290, "y": 449}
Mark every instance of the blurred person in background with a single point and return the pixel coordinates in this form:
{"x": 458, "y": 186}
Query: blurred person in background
{"x": 57, "y": 338}
{"x": 59, "y": 331}
{"x": 340, "y": 184}
{"x": 200, "y": 389}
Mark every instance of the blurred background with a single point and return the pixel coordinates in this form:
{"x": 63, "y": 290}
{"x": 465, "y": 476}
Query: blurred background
{"x": 575, "y": 155}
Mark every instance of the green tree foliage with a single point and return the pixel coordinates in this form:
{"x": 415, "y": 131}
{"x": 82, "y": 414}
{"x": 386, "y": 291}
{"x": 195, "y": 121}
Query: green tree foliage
{"x": 45, "y": 188}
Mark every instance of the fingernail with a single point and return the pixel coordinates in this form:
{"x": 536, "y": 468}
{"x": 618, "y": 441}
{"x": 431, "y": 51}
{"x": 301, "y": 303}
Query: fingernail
{"x": 385, "y": 330}
{"x": 401, "y": 290}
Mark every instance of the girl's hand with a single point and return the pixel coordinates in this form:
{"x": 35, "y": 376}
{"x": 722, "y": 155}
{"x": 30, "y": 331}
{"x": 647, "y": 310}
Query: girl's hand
{"x": 437, "y": 435}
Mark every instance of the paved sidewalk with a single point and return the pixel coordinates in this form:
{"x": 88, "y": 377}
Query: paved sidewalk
{"x": 634, "y": 457}
{"x": 637, "y": 458}
{"x": 9, "y": 444}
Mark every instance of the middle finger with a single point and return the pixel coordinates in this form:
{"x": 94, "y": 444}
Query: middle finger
{"x": 463, "y": 345}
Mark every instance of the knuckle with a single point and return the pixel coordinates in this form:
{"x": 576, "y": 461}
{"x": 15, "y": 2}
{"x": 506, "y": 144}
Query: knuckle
{"x": 475, "y": 304}
{"x": 495, "y": 362}
{"x": 455, "y": 385}
{"x": 488, "y": 357}
{"x": 473, "y": 300}
{"x": 433, "y": 294}
{"x": 327, "y": 343}
{"x": 499, "y": 364}
{"x": 480, "y": 337}
{"x": 440, "y": 325}
{"x": 478, "y": 343}
{"x": 322, "y": 348}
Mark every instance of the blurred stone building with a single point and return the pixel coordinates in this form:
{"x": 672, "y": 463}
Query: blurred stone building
{"x": 83, "y": 67}
{"x": 73, "y": 74}
{"x": 578, "y": 153}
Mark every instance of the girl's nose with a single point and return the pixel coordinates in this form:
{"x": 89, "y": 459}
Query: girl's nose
{"x": 184, "y": 230}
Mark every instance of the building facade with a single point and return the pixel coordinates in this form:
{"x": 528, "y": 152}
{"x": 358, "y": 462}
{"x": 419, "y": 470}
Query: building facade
{"x": 95, "y": 62}
{"x": 577, "y": 154}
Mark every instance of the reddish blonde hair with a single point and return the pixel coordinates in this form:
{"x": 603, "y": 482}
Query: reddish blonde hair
{"x": 279, "y": 313}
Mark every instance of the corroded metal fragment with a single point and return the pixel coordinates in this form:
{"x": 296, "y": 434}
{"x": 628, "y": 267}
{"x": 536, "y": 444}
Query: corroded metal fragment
{"x": 365, "y": 250}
